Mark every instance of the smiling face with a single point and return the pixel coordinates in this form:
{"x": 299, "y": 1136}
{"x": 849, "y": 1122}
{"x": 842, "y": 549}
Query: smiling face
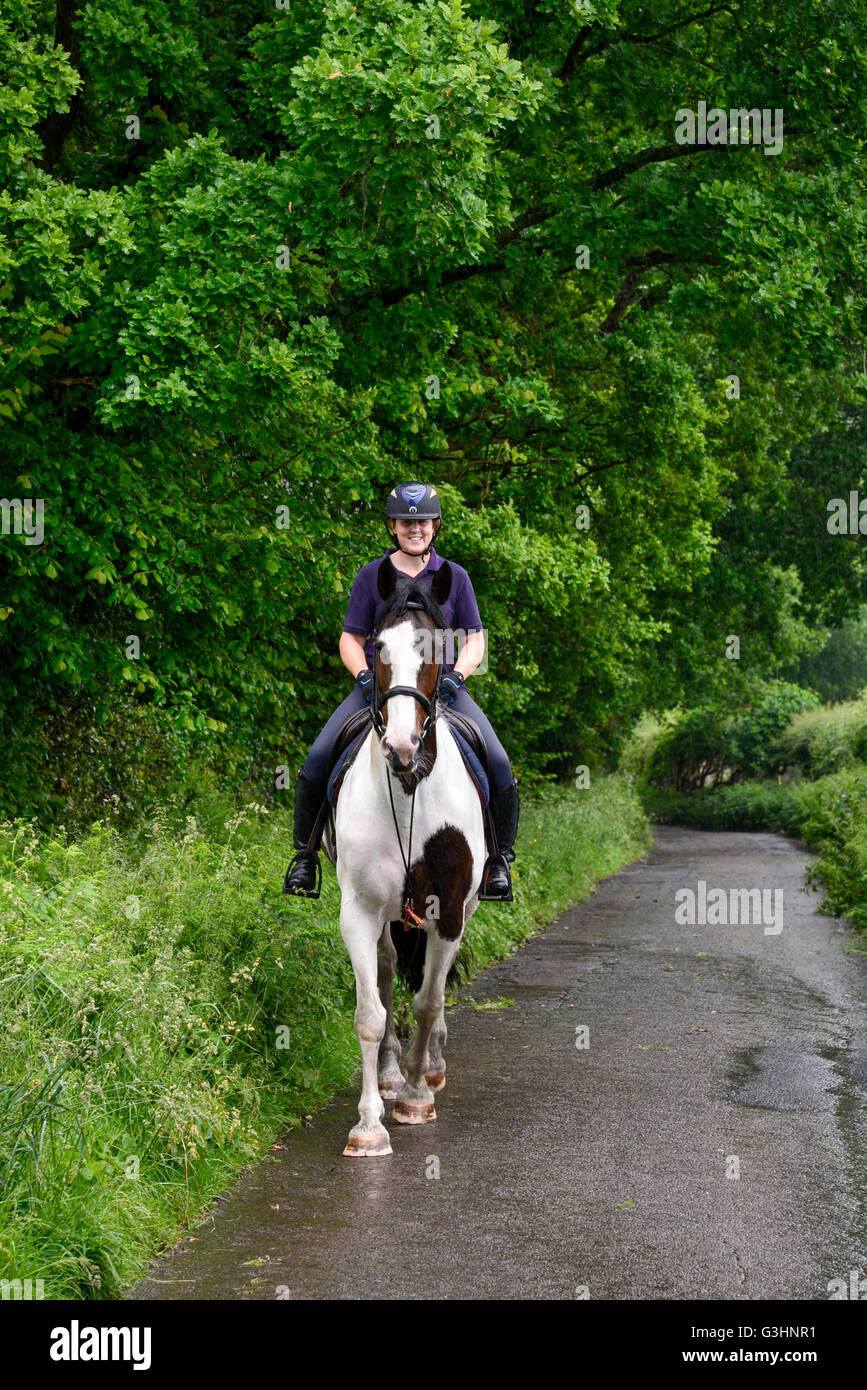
{"x": 401, "y": 651}
{"x": 415, "y": 536}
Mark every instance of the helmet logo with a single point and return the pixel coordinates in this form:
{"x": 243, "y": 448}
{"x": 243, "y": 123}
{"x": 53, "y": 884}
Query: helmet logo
{"x": 414, "y": 492}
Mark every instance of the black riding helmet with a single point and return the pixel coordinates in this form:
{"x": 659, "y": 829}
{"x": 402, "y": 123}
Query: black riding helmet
{"x": 412, "y": 502}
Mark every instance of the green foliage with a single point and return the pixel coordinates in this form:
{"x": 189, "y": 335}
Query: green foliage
{"x": 697, "y": 745}
{"x": 688, "y": 749}
{"x": 756, "y": 735}
{"x": 238, "y": 248}
{"x": 824, "y": 740}
{"x": 768, "y": 805}
{"x": 167, "y": 1013}
{"x": 837, "y": 668}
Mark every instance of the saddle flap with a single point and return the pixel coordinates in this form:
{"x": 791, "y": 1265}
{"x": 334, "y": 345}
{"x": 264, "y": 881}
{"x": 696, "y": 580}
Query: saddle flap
{"x": 471, "y": 734}
{"x": 349, "y": 730}
{"x": 343, "y": 762}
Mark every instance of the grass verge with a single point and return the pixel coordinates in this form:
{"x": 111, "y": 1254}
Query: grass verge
{"x": 167, "y": 1013}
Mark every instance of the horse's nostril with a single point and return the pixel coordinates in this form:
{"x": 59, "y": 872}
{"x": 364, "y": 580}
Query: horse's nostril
{"x": 413, "y": 738}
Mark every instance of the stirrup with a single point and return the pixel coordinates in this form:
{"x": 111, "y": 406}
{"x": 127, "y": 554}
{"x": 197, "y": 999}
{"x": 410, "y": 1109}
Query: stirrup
{"x": 484, "y": 896}
{"x": 297, "y": 862}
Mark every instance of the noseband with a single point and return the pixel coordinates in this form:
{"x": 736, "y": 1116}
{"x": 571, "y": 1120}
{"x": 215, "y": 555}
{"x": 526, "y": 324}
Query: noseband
{"x": 379, "y": 700}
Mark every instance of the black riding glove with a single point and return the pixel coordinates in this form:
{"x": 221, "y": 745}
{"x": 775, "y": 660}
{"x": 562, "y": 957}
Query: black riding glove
{"x": 364, "y": 681}
{"x": 451, "y": 685}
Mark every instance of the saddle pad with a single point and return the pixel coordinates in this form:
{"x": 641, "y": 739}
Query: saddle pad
{"x": 474, "y": 767}
{"x": 341, "y": 766}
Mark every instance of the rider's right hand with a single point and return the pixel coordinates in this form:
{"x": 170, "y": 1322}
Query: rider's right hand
{"x": 364, "y": 681}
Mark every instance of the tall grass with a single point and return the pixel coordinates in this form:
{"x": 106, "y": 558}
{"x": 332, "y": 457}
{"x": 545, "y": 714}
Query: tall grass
{"x": 166, "y": 1012}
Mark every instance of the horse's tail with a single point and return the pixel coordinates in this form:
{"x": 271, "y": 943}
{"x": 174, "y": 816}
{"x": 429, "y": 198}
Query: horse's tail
{"x": 410, "y": 946}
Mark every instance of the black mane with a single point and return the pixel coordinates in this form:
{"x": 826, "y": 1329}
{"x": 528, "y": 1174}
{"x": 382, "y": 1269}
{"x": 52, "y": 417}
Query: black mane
{"x": 409, "y": 592}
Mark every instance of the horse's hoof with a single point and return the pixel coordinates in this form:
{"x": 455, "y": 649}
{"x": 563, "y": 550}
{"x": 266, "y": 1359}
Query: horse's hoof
{"x": 414, "y": 1112}
{"x": 369, "y": 1143}
{"x": 435, "y": 1080}
{"x": 389, "y": 1090}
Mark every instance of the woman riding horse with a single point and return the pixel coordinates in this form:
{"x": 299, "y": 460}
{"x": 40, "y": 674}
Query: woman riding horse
{"x": 413, "y": 517}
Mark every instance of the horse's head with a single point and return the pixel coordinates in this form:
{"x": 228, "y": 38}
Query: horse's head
{"x": 408, "y": 647}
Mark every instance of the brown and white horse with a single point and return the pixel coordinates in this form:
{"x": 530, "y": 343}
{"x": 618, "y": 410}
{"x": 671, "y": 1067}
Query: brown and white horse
{"x": 410, "y": 845}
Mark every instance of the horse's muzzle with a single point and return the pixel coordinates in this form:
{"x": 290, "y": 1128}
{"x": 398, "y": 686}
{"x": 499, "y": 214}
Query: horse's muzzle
{"x": 397, "y": 764}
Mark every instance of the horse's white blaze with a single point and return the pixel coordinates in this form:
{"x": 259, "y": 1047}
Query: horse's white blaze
{"x": 401, "y": 650}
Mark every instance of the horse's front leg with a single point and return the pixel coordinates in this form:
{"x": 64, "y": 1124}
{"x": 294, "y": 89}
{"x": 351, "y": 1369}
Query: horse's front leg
{"x": 415, "y": 1103}
{"x": 390, "y": 1076}
{"x": 361, "y": 932}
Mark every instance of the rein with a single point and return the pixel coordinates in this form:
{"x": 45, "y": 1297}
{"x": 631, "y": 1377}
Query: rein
{"x": 430, "y": 709}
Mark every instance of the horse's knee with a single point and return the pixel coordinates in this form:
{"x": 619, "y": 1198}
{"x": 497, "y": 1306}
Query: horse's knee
{"x": 427, "y": 1010}
{"x": 370, "y": 1020}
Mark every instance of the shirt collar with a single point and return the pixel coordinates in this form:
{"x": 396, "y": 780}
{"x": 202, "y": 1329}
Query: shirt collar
{"x": 434, "y": 563}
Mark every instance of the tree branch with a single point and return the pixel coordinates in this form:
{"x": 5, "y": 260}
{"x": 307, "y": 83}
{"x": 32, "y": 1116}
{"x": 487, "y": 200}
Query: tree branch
{"x": 601, "y": 468}
{"x": 658, "y": 154}
{"x": 55, "y": 127}
{"x": 570, "y": 62}
{"x": 629, "y": 287}
{"x": 534, "y": 217}
{"x": 575, "y": 57}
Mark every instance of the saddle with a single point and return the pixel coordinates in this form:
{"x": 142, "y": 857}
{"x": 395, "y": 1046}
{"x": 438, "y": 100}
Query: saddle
{"x": 466, "y": 734}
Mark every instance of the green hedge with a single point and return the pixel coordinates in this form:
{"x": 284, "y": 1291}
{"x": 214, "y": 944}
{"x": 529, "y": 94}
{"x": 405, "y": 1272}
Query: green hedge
{"x": 684, "y": 748}
{"x": 827, "y": 739}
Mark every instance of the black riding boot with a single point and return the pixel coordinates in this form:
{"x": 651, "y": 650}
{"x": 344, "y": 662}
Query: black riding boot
{"x": 496, "y": 879}
{"x": 304, "y": 875}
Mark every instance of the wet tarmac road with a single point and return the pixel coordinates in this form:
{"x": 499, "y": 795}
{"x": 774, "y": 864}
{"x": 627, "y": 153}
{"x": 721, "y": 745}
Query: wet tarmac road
{"x": 713, "y": 1051}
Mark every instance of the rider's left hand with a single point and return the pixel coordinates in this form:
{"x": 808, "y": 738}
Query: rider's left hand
{"x": 451, "y": 685}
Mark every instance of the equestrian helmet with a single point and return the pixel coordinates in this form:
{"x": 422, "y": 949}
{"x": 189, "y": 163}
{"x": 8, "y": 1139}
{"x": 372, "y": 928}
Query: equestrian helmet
{"x": 413, "y": 502}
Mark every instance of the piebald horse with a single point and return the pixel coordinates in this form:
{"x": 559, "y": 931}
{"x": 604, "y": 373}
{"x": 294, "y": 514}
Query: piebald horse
{"x": 410, "y": 845}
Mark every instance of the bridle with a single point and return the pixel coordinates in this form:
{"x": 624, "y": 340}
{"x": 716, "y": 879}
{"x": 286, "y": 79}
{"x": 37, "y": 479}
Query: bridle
{"x": 430, "y": 708}
{"x": 428, "y": 705}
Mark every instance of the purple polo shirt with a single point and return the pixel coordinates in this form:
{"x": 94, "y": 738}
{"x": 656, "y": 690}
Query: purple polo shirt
{"x": 460, "y": 608}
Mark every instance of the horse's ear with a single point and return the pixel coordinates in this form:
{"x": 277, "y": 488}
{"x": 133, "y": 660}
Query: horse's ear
{"x": 386, "y": 579}
{"x": 441, "y": 584}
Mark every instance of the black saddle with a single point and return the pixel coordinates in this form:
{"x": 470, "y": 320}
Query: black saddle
{"x": 360, "y": 720}
{"x": 349, "y": 730}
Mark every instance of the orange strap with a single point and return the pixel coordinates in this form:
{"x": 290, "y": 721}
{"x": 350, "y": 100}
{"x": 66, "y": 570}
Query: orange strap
{"x": 407, "y": 913}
